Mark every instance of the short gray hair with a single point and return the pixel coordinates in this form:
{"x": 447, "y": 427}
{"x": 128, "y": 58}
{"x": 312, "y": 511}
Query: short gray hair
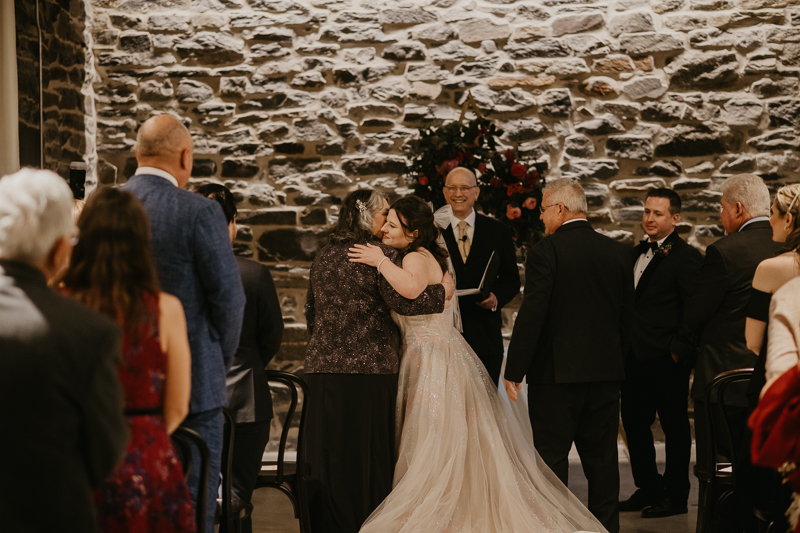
{"x": 569, "y": 192}
{"x": 750, "y": 191}
{"x": 35, "y": 212}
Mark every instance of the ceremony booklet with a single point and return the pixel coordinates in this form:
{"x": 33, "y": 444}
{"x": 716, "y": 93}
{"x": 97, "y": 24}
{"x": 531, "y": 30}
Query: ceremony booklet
{"x": 489, "y": 275}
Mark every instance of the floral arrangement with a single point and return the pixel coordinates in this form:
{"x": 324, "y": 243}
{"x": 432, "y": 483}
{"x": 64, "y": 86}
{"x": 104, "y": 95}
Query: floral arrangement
{"x": 510, "y": 189}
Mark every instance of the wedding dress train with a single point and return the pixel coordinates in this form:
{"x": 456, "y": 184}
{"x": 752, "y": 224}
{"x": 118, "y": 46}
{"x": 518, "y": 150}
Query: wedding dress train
{"x": 466, "y": 461}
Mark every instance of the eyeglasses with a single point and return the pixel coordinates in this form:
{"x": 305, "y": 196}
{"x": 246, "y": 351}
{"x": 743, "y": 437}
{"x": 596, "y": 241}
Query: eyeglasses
{"x": 458, "y": 188}
{"x": 543, "y": 208}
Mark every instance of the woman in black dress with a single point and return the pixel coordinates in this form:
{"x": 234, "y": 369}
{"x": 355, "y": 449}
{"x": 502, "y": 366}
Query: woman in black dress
{"x": 351, "y": 368}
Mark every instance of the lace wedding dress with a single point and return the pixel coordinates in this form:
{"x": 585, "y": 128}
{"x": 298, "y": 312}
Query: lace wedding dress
{"x": 466, "y": 461}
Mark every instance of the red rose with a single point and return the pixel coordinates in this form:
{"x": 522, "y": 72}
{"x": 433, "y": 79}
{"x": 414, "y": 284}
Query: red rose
{"x": 450, "y": 165}
{"x": 423, "y": 180}
{"x": 514, "y": 188}
{"x": 532, "y": 179}
{"x": 482, "y": 168}
{"x": 513, "y": 212}
{"x": 459, "y": 157}
{"x": 518, "y": 171}
{"x": 510, "y": 155}
{"x": 529, "y": 203}
{"x": 495, "y": 182}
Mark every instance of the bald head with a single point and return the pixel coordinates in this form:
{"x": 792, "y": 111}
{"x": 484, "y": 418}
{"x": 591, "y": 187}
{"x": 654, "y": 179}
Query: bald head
{"x": 164, "y": 143}
{"x": 461, "y": 191}
{"x": 461, "y": 172}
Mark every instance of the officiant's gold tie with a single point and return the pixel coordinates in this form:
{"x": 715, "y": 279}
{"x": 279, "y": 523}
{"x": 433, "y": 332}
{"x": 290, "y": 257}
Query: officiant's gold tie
{"x": 463, "y": 240}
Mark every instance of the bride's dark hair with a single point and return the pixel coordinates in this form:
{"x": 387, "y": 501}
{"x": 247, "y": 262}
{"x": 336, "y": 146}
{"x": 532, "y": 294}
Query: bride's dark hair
{"x": 415, "y": 215}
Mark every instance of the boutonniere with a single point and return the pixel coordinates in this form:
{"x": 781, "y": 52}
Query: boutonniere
{"x": 664, "y": 249}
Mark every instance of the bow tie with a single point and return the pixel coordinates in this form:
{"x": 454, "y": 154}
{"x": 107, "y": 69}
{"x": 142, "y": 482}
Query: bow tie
{"x": 652, "y": 245}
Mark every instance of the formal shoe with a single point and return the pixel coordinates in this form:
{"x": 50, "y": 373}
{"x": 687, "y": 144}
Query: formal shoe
{"x": 666, "y": 506}
{"x": 639, "y": 500}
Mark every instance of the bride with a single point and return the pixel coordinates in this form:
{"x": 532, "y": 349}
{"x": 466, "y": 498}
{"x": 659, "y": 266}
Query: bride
{"x": 466, "y": 460}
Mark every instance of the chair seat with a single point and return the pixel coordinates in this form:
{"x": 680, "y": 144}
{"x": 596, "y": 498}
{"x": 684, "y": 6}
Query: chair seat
{"x": 270, "y": 469}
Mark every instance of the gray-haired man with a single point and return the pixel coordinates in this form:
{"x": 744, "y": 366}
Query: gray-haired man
{"x": 716, "y": 311}
{"x": 60, "y": 399}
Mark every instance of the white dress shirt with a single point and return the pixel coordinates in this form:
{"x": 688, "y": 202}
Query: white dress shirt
{"x": 157, "y": 172}
{"x": 644, "y": 260}
{"x": 470, "y": 220}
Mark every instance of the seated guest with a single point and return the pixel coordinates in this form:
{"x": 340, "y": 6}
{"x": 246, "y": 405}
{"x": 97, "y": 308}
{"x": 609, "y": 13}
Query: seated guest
{"x": 249, "y": 399}
{"x": 61, "y": 402}
{"x": 112, "y": 271}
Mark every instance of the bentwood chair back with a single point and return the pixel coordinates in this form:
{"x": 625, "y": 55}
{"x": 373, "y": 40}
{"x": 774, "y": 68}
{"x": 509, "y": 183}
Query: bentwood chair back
{"x": 230, "y": 509}
{"x": 289, "y": 476}
{"x": 723, "y": 442}
{"x": 184, "y": 439}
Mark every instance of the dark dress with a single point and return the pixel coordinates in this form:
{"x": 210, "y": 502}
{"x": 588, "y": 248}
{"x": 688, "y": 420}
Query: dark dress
{"x": 147, "y": 491}
{"x": 351, "y": 368}
{"x": 762, "y": 487}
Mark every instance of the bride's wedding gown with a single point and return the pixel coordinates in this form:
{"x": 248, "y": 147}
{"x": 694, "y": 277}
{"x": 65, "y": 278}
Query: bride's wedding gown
{"x": 466, "y": 461}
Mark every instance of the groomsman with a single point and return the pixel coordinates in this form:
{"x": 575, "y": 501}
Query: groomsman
{"x": 716, "y": 310}
{"x": 471, "y": 238}
{"x": 569, "y": 340}
{"x": 664, "y": 273}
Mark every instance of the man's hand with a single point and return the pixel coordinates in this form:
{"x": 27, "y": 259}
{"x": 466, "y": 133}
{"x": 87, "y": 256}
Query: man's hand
{"x": 449, "y": 286}
{"x": 674, "y": 358}
{"x": 489, "y": 303}
{"x": 511, "y": 389}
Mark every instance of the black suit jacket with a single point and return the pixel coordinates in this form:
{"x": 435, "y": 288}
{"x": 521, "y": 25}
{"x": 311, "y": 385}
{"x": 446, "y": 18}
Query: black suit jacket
{"x": 482, "y": 327}
{"x": 249, "y": 398}
{"x": 61, "y": 403}
{"x": 574, "y": 322}
{"x": 716, "y": 311}
{"x": 667, "y": 282}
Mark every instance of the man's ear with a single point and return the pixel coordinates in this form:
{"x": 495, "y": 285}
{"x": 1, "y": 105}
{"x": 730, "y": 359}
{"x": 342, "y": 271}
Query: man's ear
{"x": 186, "y": 159}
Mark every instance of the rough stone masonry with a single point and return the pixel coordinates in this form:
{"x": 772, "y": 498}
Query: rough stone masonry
{"x": 294, "y": 103}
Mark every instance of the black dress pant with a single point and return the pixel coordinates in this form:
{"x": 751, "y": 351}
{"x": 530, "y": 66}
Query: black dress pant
{"x": 658, "y": 386}
{"x": 588, "y": 415}
{"x": 250, "y": 439}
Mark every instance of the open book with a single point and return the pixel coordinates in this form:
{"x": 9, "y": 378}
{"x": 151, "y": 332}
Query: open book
{"x": 489, "y": 275}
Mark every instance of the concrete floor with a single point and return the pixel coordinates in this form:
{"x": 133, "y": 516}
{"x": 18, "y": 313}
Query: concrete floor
{"x": 273, "y": 511}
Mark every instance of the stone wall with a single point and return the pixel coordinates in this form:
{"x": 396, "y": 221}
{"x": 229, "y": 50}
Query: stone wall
{"x": 63, "y": 75}
{"x": 293, "y": 103}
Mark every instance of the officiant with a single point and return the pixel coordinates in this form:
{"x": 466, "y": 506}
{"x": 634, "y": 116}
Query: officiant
{"x": 473, "y": 240}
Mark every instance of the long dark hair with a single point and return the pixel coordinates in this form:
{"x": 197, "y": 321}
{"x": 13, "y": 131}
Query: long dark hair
{"x": 112, "y": 266}
{"x": 356, "y": 215}
{"x": 416, "y": 215}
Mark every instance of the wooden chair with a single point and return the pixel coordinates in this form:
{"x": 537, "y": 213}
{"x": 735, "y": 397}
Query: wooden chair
{"x": 287, "y": 476}
{"x": 184, "y": 439}
{"x": 720, "y": 479}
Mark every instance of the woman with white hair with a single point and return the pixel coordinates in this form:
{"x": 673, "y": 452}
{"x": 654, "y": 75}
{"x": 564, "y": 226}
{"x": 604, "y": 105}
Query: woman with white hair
{"x": 351, "y": 367}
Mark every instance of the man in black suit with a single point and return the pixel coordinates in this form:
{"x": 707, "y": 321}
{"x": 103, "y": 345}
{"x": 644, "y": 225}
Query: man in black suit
{"x": 61, "y": 401}
{"x": 249, "y": 398}
{"x": 471, "y": 238}
{"x": 715, "y": 313}
{"x": 569, "y": 339}
{"x": 664, "y": 273}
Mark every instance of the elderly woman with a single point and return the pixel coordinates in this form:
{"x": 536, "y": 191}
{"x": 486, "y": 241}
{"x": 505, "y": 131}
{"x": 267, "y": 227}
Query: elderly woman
{"x": 351, "y": 367}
